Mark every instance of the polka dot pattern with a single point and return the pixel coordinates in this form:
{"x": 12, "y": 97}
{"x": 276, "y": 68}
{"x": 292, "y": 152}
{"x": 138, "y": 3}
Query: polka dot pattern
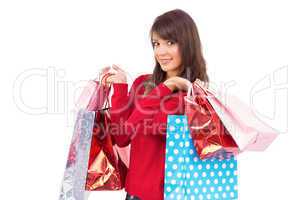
{"x": 189, "y": 177}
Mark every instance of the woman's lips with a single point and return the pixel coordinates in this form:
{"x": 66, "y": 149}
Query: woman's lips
{"x": 165, "y": 61}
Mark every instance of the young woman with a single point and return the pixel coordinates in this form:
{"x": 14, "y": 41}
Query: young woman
{"x": 140, "y": 116}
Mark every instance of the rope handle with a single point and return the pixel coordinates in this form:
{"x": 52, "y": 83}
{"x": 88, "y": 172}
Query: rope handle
{"x": 200, "y": 84}
{"x": 102, "y": 82}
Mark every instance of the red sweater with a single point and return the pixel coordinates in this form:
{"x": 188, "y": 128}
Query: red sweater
{"x": 142, "y": 122}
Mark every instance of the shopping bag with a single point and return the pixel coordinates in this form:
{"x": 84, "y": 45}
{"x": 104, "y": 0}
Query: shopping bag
{"x": 94, "y": 163}
{"x": 209, "y": 134}
{"x": 91, "y": 98}
{"x": 106, "y": 171}
{"x": 247, "y": 130}
{"x": 74, "y": 180}
{"x": 187, "y": 177}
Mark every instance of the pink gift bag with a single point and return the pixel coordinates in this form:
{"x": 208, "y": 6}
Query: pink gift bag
{"x": 248, "y": 131}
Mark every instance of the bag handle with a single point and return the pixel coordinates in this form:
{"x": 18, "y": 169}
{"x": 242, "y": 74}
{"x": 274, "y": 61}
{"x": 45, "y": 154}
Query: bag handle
{"x": 102, "y": 82}
{"x": 200, "y": 84}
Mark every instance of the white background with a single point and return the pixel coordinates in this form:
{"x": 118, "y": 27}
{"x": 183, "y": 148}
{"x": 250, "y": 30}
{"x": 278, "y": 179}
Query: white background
{"x": 48, "y": 47}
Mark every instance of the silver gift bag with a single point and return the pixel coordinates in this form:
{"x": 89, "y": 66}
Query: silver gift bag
{"x": 73, "y": 184}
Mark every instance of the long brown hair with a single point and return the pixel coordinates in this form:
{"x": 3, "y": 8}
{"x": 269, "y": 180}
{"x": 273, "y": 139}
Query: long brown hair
{"x": 178, "y": 26}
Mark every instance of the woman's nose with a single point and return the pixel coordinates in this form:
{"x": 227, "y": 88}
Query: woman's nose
{"x": 161, "y": 50}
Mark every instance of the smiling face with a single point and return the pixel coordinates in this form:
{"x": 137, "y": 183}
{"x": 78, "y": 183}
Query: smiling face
{"x": 167, "y": 54}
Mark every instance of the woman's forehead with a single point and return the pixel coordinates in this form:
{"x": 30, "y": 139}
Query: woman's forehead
{"x": 157, "y": 37}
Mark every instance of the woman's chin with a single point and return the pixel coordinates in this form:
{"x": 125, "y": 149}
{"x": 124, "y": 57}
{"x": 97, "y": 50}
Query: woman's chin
{"x": 166, "y": 68}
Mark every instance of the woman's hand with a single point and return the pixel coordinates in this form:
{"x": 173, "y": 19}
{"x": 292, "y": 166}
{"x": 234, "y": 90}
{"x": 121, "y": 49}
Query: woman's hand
{"x": 117, "y": 74}
{"x": 177, "y": 83}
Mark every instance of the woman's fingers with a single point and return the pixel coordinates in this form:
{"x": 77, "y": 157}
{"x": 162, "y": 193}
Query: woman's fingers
{"x": 112, "y": 74}
{"x": 105, "y": 69}
{"x": 182, "y": 83}
{"x": 106, "y": 78}
{"x": 187, "y": 84}
{"x": 110, "y": 79}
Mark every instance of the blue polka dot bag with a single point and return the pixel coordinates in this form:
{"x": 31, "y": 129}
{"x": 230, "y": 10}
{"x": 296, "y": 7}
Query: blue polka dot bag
{"x": 187, "y": 177}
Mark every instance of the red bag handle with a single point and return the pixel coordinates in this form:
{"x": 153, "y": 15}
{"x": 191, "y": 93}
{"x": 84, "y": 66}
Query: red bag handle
{"x": 102, "y": 82}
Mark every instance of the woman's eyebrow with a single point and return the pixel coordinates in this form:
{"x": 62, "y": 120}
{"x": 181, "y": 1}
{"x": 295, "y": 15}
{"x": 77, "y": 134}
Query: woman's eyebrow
{"x": 156, "y": 40}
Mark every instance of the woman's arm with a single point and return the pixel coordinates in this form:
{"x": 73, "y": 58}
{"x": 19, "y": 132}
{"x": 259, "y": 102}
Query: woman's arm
{"x": 153, "y": 110}
{"x": 121, "y": 109}
{"x": 150, "y": 113}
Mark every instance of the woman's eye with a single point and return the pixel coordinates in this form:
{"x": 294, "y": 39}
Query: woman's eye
{"x": 155, "y": 43}
{"x": 170, "y": 42}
